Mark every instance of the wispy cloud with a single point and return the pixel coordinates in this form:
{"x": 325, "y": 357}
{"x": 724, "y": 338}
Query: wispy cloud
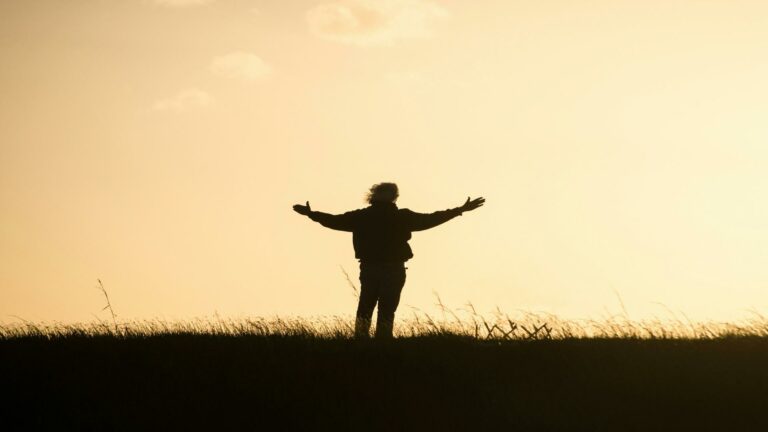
{"x": 181, "y": 3}
{"x": 374, "y": 22}
{"x": 186, "y": 100}
{"x": 240, "y": 65}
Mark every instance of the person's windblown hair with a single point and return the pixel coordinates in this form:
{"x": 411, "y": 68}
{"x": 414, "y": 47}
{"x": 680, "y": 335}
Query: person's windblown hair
{"x": 382, "y": 192}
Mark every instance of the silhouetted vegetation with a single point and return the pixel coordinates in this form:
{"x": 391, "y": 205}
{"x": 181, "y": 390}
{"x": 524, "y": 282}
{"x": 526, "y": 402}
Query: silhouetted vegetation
{"x": 529, "y": 373}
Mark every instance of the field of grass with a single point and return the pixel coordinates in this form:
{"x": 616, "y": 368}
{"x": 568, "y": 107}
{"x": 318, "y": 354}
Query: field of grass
{"x": 530, "y": 372}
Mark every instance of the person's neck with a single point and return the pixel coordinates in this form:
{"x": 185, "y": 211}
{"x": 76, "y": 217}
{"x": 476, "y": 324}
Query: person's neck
{"x": 383, "y": 204}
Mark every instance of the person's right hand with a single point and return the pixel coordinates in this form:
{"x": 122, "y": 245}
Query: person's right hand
{"x": 473, "y": 204}
{"x": 302, "y": 209}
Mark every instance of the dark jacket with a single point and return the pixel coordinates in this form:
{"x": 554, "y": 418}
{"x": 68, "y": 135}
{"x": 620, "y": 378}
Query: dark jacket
{"x": 380, "y": 232}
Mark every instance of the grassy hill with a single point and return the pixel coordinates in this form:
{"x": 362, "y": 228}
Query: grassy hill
{"x": 103, "y": 378}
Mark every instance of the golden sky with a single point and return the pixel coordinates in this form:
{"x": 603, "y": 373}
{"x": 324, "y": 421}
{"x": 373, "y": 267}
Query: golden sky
{"x": 160, "y": 144}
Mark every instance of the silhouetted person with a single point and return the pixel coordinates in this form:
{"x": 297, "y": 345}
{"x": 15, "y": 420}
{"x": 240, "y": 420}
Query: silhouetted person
{"x": 380, "y": 235}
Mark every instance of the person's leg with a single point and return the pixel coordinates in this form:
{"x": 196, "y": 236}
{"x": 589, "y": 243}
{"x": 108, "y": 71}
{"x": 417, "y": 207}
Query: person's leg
{"x": 369, "y": 295}
{"x": 393, "y": 280}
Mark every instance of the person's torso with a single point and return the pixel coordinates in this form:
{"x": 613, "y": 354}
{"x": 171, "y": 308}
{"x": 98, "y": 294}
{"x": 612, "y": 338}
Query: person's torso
{"x": 382, "y": 235}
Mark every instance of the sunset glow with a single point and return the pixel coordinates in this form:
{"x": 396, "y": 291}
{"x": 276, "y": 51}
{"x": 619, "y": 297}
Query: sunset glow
{"x": 159, "y": 145}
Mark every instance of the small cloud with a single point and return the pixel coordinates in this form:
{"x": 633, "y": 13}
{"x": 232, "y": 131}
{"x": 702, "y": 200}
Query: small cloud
{"x": 181, "y": 3}
{"x": 240, "y": 65}
{"x": 374, "y": 22}
{"x": 186, "y": 100}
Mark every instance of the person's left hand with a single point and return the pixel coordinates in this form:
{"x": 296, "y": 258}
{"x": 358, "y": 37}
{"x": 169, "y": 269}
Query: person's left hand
{"x": 472, "y": 204}
{"x": 302, "y": 209}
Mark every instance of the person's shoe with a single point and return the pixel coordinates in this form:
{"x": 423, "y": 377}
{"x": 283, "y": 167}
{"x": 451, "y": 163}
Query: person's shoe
{"x": 362, "y": 328}
{"x": 384, "y": 329}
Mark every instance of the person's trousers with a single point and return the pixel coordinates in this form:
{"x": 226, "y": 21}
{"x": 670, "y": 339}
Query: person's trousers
{"x": 379, "y": 283}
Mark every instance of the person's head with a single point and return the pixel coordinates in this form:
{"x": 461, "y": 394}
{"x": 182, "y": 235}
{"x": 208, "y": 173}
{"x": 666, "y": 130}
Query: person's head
{"x": 382, "y": 192}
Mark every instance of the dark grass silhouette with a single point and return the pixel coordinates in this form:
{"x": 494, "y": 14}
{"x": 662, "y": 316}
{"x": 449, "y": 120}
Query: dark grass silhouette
{"x": 290, "y": 378}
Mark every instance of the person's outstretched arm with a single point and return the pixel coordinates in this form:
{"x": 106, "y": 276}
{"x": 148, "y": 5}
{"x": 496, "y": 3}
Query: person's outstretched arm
{"x": 424, "y": 221}
{"x": 343, "y": 222}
